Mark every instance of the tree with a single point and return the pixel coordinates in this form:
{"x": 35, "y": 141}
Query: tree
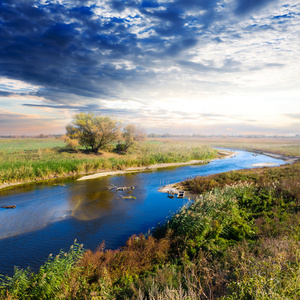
{"x": 93, "y": 131}
{"x": 130, "y": 135}
{"x": 71, "y": 144}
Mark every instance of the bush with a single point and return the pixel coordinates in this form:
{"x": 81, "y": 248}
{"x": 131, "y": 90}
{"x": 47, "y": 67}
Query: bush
{"x": 71, "y": 143}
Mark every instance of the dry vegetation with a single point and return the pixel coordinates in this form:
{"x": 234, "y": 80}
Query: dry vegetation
{"x": 289, "y": 146}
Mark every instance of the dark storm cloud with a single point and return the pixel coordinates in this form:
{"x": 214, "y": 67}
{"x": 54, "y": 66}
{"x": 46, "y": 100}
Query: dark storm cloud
{"x": 62, "y": 48}
{"x": 247, "y": 6}
{"x": 5, "y": 94}
{"x": 70, "y": 50}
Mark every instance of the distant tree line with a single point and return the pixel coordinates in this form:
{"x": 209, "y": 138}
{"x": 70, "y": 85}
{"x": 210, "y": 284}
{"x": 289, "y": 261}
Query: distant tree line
{"x": 168, "y": 135}
{"x": 23, "y": 136}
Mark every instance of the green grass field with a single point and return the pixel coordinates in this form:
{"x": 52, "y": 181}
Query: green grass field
{"x": 24, "y": 159}
{"x": 41, "y": 159}
{"x": 11, "y": 145}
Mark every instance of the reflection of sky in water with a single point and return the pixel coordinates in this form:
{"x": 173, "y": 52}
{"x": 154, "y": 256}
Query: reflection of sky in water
{"x": 49, "y": 217}
{"x": 31, "y": 213}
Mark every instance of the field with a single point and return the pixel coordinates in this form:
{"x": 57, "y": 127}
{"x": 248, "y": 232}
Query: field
{"x": 12, "y": 145}
{"x": 41, "y": 159}
{"x": 289, "y": 146}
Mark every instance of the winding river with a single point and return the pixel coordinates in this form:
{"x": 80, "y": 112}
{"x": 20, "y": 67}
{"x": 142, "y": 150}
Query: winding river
{"x": 49, "y": 216}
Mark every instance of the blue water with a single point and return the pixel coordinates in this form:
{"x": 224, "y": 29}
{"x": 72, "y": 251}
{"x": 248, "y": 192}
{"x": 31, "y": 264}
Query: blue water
{"x": 49, "y": 217}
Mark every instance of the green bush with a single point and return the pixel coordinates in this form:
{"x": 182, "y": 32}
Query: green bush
{"x": 56, "y": 279}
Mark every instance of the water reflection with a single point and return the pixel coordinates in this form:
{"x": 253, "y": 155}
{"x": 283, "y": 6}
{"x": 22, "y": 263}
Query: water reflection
{"x": 93, "y": 199}
{"x": 32, "y": 214}
{"x": 83, "y": 200}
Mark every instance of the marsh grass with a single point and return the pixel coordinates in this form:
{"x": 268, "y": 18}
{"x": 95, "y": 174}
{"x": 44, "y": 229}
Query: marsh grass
{"x": 289, "y": 146}
{"x": 44, "y": 163}
{"x": 55, "y": 279}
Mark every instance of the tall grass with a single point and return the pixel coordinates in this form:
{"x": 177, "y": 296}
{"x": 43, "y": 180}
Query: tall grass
{"x": 44, "y": 163}
{"x": 55, "y": 279}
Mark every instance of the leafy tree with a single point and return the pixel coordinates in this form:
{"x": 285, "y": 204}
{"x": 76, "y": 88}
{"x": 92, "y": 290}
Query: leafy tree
{"x": 130, "y": 135}
{"x": 93, "y": 131}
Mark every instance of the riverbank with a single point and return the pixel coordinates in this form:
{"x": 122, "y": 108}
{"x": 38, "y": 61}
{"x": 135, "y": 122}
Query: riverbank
{"x": 222, "y": 155}
{"x": 175, "y": 188}
{"x": 287, "y": 146}
{"x": 28, "y": 166}
{"x": 287, "y": 158}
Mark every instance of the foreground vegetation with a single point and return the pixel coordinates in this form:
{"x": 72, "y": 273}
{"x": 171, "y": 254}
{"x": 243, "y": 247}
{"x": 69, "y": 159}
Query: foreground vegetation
{"x": 28, "y": 160}
{"x": 239, "y": 240}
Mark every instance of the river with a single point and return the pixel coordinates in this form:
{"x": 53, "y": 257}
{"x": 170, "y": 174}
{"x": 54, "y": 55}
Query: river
{"x": 49, "y": 216}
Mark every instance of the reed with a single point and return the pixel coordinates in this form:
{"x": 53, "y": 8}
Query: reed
{"x": 44, "y": 163}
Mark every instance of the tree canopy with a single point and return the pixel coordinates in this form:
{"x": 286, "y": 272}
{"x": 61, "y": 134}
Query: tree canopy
{"x": 93, "y": 131}
{"x": 130, "y": 135}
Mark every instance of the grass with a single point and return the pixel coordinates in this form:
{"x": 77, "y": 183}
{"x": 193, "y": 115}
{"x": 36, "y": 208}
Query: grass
{"x": 289, "y": 146}
{"x": 281, "y": 146}
{"x": 238, "y": 240}
{"x": 39, "y": 161}
{"x": 23, "y": 160}
{"x": 12, "y": 145}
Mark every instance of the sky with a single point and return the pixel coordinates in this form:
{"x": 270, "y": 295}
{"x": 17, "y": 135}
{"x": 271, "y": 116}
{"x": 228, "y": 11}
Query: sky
{"x": 179, "y": 66}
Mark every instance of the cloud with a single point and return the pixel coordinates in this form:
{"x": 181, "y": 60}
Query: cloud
{"x": 50, "y": 45}
{"x": 228, "y": 66}
{"x": 67, "y": 47}
{"x": 84, "y": 48}
{"x": 224, "y": 129}
{"x": 293, "y": 116}
{"x": 75, "y": 55}
{"x": 17, "y": 123}
{"x": 247, "y": 6}
{"x": 5, "y": 94}
{"x": 89, "y": 108}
